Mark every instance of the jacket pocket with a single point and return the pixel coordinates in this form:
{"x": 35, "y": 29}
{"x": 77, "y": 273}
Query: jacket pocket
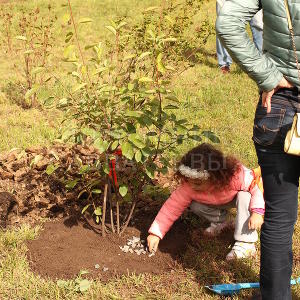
{"x": 267, "y": 125}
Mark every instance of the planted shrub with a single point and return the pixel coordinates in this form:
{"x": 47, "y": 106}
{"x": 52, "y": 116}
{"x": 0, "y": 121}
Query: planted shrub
{"x": 123, "y": 105}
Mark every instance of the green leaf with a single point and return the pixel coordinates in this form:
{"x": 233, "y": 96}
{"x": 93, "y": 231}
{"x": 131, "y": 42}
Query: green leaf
{"x": 134, "y": 113}
{"x": 143, "y": 55}
{"x": 131, "y": 86}
{"x": 71, "y": 184}
{"x": 84, "y": 285}
{"x": 68, "y": 50}
{"x": 106, "y": 168}
{"x": 85, "y": 20}
{"x": 78, "y": 87}
{"x": 51, "y": 169}
{"x": 122, "y": 24}
{"x": 85, "y": 208}
{"x": 150, "y": 171}
{"x": 31, "y": 92}
{"x": 127, "y": 150}
{"x": 145, "y": 79}
{"x": 98, "y": 211}
{"x": 90, "y": 132}
{"x": 69, "y": 36}
{"x": 136, "y": 140}
{"x": 97, "y": 219}
{"x": 123, "y": 189}
{"x": 101, "y": 145}
{"x": 160, "y": 66}
{"x": 65, "y": 18}
{"x": 170, "y": 106}
{"x": 96, "y": 191}
{"x": 196, "y": 137}
{"x": 146, "y": 152}
{"x": 138, "y": 156}
{"x": 210, "y": 135}
{"x": 151, "y": 133}
{"x": 114, "y": 145}
{"x": 84, "y": 169}
{"x": 111, "y": 29}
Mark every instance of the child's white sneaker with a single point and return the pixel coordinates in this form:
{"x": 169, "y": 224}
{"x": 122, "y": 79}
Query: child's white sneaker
{"x": 216, "y": 228}
{"x": 241, "y": 250}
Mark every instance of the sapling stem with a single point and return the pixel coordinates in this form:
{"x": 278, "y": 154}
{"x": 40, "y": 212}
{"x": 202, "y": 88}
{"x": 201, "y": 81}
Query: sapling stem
{"x": 118, "y": 217}
{"x": 111, "y": 208}
{"x": 104, "y": 209}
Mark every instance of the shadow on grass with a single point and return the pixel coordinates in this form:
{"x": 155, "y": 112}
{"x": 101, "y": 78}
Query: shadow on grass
{"x": 205, "y": 256}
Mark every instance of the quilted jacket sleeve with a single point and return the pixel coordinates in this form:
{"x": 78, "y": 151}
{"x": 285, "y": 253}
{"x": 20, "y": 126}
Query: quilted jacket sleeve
{"x": 231, "y": 29}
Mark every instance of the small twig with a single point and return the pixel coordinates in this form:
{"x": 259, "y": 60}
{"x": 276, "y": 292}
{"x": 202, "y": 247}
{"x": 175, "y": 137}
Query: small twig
{"x": 104, "y": 210}
{"x": 129, "y": 217}
{"x": 77, "y": 40}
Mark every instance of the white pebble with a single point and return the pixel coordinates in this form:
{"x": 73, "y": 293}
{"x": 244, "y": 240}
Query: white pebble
{"x": 135, "y": 239}
{"x": 105, "y": 269}
{"x": 152, "y": 254}
{"x": 97, "y": 266}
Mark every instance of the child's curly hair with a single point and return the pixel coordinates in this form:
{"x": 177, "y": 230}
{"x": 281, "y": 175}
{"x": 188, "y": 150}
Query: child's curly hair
{"x": 221, "y": 168}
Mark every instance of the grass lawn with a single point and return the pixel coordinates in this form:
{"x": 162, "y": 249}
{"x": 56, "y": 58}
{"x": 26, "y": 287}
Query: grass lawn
{"x": 224, "y": 104}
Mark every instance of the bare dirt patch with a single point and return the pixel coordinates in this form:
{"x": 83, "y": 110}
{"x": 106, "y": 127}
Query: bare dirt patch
{"x": 66, "y": 247}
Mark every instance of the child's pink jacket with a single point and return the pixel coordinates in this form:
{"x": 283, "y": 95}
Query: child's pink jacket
{"x": 182, "y": 197}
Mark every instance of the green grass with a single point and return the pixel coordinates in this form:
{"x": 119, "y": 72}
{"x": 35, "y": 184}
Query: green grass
{"x": 223, "y": 104}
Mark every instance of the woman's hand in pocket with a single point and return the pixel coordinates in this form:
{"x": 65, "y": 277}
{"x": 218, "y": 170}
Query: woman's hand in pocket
{"x": 267, "y": 96}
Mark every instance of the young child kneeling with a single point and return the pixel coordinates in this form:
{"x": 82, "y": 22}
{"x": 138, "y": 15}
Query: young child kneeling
{"x": 210, "y": 184}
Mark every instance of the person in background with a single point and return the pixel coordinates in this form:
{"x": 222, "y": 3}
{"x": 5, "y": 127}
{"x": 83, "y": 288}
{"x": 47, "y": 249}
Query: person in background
{"x": 256, "y": 25}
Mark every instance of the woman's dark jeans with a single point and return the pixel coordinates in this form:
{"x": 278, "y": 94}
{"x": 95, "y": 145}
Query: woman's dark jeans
{"x": 280, "y": 173}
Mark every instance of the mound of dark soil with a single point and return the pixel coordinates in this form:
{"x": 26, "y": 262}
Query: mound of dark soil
{"x": 64, "y": 248}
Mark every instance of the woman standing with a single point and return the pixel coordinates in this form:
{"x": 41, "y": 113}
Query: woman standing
{"x": 275, "y": 72}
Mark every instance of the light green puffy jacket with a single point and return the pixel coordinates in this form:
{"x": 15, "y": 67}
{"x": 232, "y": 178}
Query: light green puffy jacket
{"x": 278, "y": 58}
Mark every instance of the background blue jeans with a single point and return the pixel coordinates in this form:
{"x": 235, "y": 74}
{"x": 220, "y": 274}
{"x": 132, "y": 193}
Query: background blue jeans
{"x": 257, "y": 35}
{"x": 280, "y": 173}
{"x": 223, "y": 56}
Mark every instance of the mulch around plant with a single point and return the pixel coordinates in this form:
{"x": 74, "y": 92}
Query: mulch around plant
{"x": 66, "y": 247}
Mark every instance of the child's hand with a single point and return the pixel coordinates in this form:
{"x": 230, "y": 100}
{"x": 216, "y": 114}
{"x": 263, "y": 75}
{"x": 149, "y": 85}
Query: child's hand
{"x": 255, "y": 221}
{"x": 152, "y": 242}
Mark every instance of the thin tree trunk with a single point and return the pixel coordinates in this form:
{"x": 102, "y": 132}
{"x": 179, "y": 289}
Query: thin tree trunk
{"x": 118, "y": 217}
{"x": 111, "y": 208}
{"x": 104, "y": 210}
